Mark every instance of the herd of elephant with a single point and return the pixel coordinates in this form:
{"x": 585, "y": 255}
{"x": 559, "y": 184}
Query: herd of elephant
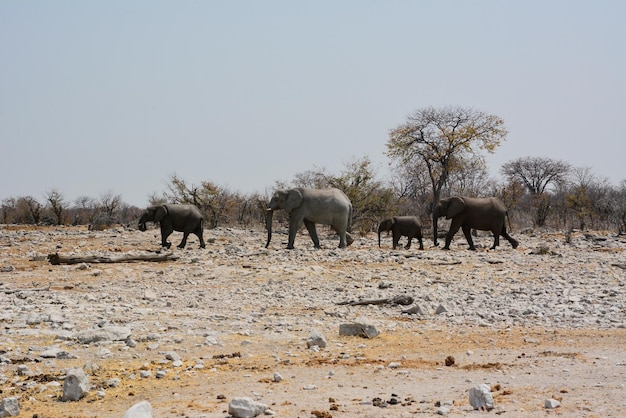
{"x": 332, "y": 207}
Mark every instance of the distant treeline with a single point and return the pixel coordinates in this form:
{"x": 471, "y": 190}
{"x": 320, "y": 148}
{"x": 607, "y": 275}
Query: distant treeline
{"x": 558, "y": 198}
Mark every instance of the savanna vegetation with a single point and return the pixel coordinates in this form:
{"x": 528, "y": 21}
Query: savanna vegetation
{"x": 435, "y": 152}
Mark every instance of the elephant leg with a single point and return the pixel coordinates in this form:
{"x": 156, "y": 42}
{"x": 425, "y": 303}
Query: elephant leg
{"x": 467, "y": 231}
{"x": 408, "y": 244}
{"x": 349, "y": 239}
{"x": 293, "y": 229}
{"x": 198, "y": 232}
{"x": 310, "y": 226}
{"x": 200, "y": 237}
{"x": 510, "y": 239}
{"x": 184, "y": 241}
{"x": 454, "y": 228}
{"x": 165, "y": 232}
{"x": 396, "y": 240}
{"x": 419, "y": 238}
{"x": 496, "y": 241}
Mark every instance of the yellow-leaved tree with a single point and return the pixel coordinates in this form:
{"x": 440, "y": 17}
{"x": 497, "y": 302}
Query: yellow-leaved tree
{"x": 443, "y": 139}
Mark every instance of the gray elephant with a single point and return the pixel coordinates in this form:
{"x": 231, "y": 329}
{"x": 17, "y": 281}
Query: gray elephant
{"x": 182, "y": 218}
{"x": 485, "y": 214}
{"x": 407, "y": 226}
{"x": 312, "y": 206}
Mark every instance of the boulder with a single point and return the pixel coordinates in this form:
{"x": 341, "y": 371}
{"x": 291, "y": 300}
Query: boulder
{"x": 75, "y": 385}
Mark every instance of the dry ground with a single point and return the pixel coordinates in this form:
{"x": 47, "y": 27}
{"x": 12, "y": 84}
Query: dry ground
{"x": 583, "y": 368}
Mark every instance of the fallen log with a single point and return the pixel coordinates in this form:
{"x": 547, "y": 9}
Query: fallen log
{"x": 56, "y": 258}
{"x": 34, "y": 289}
{"x": 396, "y": 300}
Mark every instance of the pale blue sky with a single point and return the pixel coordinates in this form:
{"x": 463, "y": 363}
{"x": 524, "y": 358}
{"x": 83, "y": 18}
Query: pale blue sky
{"x": 119, "y": 95}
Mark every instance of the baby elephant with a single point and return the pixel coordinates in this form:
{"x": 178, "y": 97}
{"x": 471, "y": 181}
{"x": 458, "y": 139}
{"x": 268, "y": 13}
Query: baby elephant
{"x": 407, "y": 226}
{"x": 183, "y": 218}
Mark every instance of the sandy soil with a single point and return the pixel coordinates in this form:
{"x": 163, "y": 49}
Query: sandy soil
{"x": 240, "y": 340}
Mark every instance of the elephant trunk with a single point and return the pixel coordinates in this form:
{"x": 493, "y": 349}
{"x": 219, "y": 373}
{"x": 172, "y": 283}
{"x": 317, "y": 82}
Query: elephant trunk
{"x": 379, "y": 231}
{"x": 268, "y": 225}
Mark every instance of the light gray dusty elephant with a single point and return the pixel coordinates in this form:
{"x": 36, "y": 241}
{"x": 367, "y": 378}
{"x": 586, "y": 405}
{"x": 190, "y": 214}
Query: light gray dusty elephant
{"x": 485, "y": 214}
{"x": 182, "y": 218}
{"x": 407, "y": 226}
{"x": 312, "y": 206}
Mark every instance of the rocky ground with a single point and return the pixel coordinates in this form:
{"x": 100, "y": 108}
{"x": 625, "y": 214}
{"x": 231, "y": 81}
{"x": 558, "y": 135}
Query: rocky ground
{"x": 544, "y": 321}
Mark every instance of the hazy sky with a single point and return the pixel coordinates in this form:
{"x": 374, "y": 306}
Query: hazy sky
{"x": 117, "y": 96}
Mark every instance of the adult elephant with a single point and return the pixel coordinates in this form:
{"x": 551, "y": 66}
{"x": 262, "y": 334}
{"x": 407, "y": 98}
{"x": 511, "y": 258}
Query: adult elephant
{"x": 182, "y": 218}
{"x": 408, "y": 226}
{"x": 312, "y": 206}
{"x": 485, "y": 214}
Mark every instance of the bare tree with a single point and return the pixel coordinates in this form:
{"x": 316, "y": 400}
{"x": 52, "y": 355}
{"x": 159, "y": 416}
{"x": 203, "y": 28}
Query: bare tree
{"x": 83, "y": 210}
{"x": 537, "y": 174}
{"x": 9, "y": 207}
{"x": 617, "y": 213}
{"x": 110, "y": 203}
{"x": 443, "y": 139}
{"x": 56, "y": 204}
{"x": 28, "y": 210}
{"x": 106, "y": 208}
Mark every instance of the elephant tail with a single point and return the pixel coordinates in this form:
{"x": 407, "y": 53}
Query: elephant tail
{"x": 268, "y": 225}
{"x": 350, "y": 218}
{"x": 508, "y": 219}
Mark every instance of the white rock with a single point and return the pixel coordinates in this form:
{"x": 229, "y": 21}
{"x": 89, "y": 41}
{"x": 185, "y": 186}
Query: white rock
{"x": 480, "y": 397}
{"x": 316, "y": 339}
{"x": 244, "y": 407}
{"x": 142, "y": 409}
{"x": 109, "y": 333}
{"x": 9, "y": 407}
{"x": 552, "y": 404}
{"x": 75, "y": 385}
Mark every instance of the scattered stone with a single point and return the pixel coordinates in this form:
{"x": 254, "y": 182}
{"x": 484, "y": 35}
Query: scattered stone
{"x": 442, "y": 410}
{"x": 480, "y": 397}
{"x": 9, "y": 407}
{"x": 414, "y": 310}
{"x": 142, "y": 409}
{"x": 107, "y": 333}
{"x": 24, "y": 370}
{"x": 440, "y": 309}
{"x": 149, "y": 295}
{"x": 113, "y": 383}
{"x": 552, "y": 404}
{"x": 316, "y": 339}
{"x": 277, "y": 377}
{"x": 450, "y": 361}
{"x": 172, "y": 356}
{"x": 244, "y": 407}
{"x": 75, "y": 385}
{"x": 362, "y": 327}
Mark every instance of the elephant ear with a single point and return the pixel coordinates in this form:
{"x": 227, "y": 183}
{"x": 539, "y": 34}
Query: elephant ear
{"x": 159, "y": 213}
{"x": 455, "y": 207}
{"x": 294, "y": 199}
{"x": 393, "y": 221}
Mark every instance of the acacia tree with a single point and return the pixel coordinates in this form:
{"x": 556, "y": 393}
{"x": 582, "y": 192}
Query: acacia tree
{"x": 537, "y": 174}
{"x": 57, "y": 205}
{"x": 442, "y": 139}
